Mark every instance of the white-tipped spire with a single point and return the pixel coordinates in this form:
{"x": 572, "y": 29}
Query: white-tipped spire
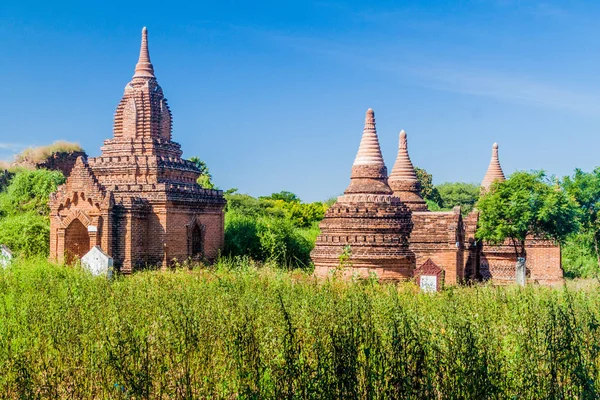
{"x": 403, "y": 168}
{"x": 494, "y": 171}
{"x": 369, "y": 152}
{"x": 144, "y": 68}
{"x": 403, "y": 179}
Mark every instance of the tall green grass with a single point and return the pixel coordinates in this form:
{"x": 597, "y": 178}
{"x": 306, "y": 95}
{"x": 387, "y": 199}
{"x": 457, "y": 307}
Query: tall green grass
{"x": 237, "y": 331}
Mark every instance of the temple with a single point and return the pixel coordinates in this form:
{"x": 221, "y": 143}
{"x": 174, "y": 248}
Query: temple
{"x": 381, "y": 225}
{"x": 139, "y": 201}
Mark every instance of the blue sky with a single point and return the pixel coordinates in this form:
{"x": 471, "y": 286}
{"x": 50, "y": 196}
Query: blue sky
{"x": 272, "y": 94}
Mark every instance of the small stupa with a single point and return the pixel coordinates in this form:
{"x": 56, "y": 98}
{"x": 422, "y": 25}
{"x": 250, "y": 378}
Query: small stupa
{"x": 403, "y": 179}
{"x": 494, "y": 171}
{"x": 366, "y": 231}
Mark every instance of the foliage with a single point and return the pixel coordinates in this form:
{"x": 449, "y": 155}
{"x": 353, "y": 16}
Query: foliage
{"x": 277, "y": 228}
{"x": 428, "y": 191}
{"x": 205, "y": 178}
{"x": 526, "y": 204}
{"x": 461, "y": 194}
{"x": 584, "y": 187}
{"x": 240, "y": 332}
{"x": 33, "y": 155}
{"x": 26, "y": 234}
{"x": 579, "y": 258}
{"x": 29, "y": 191}
{"x": 24, "y": 224}
{"x": 287, "y": 197}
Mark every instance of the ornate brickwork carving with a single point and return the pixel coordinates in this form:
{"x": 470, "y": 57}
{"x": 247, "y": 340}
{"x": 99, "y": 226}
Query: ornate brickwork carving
{"x": 370, "y": 230}
{"x": 143, "y": 192}
{"x": 367, "y": 220}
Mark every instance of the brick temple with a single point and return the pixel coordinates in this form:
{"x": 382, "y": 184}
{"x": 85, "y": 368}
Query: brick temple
{"x": 139, "y": 201}
{"x": 382, "y": 224}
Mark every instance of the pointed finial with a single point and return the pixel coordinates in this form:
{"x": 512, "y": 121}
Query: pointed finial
{"x": 403, "y": 140}
{"x": 144, "y": 67}
{"x": 369, "y": 174}
{"x": 494, "y": 172}
{"x": 403, "y": 179}
{"x": 369, "y": 152}
{"x": 403, "y": 168}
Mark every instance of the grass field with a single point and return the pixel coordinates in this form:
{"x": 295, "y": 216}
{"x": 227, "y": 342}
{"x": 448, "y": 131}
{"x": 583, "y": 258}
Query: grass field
{"x": 237, "y": 331}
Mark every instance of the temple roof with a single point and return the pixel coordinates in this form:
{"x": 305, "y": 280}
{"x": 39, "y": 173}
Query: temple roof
{"x": 369, "y": 174}
{"x": 494, "y": 171}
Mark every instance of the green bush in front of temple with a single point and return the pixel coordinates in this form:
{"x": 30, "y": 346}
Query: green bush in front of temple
{"x": 24, "y": 223}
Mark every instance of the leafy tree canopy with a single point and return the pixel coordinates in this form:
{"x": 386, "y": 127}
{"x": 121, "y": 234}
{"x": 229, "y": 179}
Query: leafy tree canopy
{"x": 205, "y": 178}
{"x": 460, "y": 194}
{"x": 526, "y": 204}
{"x": 428, "y": 191}
{"x": 288, "y": 197}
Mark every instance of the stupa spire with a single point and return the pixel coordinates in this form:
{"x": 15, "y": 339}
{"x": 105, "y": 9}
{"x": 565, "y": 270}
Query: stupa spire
{"x": 369, "y": 174}
{"x": 494, "y": 171}
{"x": 369, "y": 152}
{"x": 403, "y": 179}
{"x": 403, "y": 168}
{"x": 144, "y": 68}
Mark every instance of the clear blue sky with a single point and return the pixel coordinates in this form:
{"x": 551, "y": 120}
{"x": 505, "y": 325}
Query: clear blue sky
{"x": 272, "y": 95}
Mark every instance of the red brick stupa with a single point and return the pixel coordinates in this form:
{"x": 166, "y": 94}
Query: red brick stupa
{"x": 367, "y": 223}
{"x": 494, "y": 171}
{"x": 403, "y": 179}
{"x": 139, "y": 201}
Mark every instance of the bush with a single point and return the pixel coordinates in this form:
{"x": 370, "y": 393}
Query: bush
{"x": 266, "y": 239}
{"x": 29, "y": 191}
{"x": 26, "y": 234}
{"x": 578, "y": 256}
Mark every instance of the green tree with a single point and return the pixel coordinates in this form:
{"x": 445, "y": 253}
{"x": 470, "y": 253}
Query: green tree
{"x": 584, "y": 187}
{"x": 428, "y": 191}
{"x": 288, "y": 197}
{"x": 460, "y": 194}
{"x": 526, "y": 204}
{"x": 205, "y": 178}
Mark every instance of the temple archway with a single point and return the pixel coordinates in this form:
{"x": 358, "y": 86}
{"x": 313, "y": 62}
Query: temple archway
{"x": 196, "y": 242}
{"x": 77, "y": 241}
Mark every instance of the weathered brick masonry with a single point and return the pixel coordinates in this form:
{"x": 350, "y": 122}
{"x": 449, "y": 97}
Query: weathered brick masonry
{"x": 393, "y": 243}
{"x": 139, "y": 200}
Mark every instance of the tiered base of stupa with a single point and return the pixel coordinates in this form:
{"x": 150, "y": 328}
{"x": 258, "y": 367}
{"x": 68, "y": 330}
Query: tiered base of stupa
{"x": 364, "y": 235}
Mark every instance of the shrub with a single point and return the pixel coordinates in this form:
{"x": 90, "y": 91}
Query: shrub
{"x": 269, "y": 334}
{"x": 26, "y": 234}
{"x": 41, "y": 153}
{"x": 29, "y": 191}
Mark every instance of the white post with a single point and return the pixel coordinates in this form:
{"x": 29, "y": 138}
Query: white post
{"x": 521, "y": 271}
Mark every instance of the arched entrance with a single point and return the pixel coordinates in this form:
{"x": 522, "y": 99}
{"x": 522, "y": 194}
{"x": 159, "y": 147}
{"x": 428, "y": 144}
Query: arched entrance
{"x": 196, "y": 242}
{"x": 77, "y": 241}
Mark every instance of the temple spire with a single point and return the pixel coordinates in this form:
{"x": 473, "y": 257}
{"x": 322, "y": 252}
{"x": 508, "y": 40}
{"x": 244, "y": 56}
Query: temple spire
{"x": 494, "y": 172}
{"x": 403, "y": 168}
{"x": 369, "y": 152}
{"x": 403, "y": 179}
{"x": 369, "y": 174}
{"x": 144, "y": 68}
